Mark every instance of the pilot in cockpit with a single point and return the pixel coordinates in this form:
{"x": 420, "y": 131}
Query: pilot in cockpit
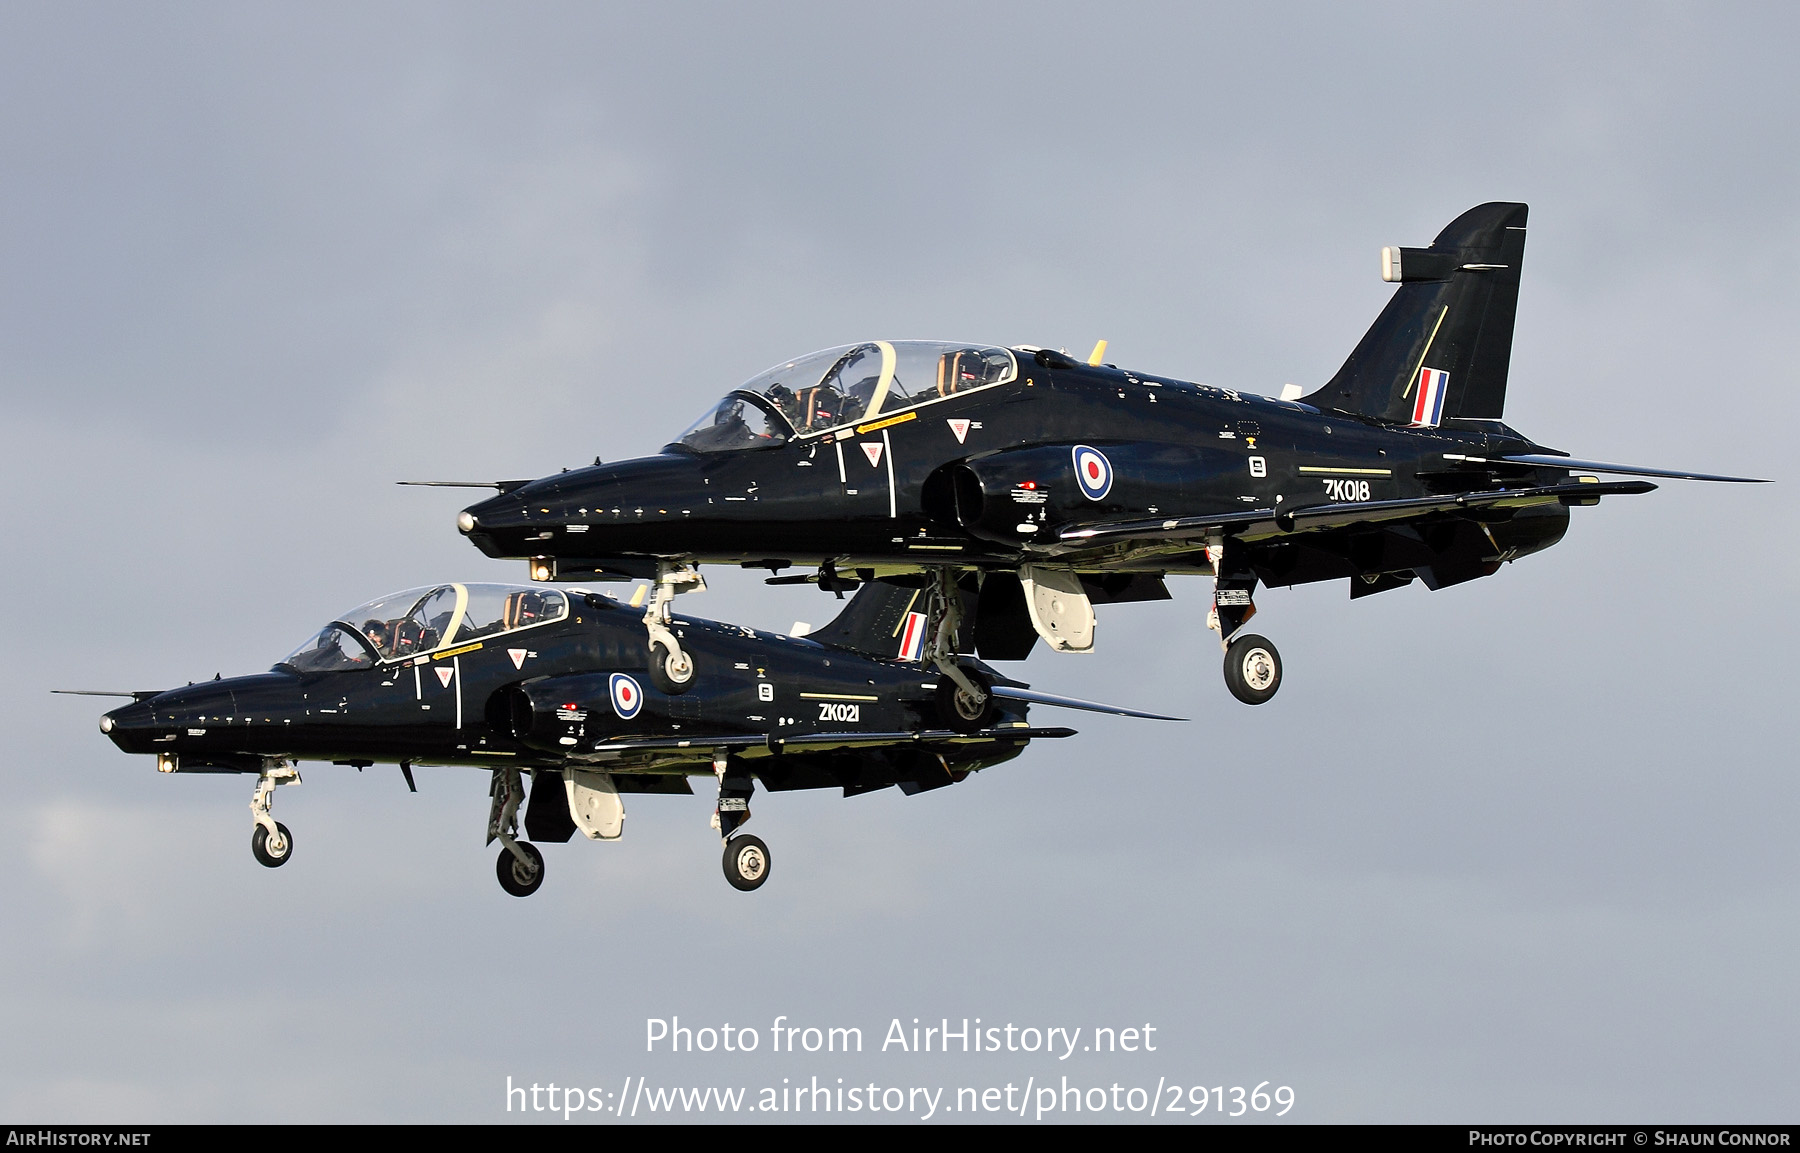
{"x": 783, "y": 398}
{"x": 860, "y": 396}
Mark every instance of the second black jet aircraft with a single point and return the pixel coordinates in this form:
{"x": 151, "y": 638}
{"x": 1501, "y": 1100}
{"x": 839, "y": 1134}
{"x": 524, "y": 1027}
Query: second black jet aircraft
{"x": 527, "y": 682}
{"x": 1019, "y": 487}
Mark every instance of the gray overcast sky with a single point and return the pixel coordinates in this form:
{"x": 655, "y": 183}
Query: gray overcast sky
{"x": 1520, "y": 850}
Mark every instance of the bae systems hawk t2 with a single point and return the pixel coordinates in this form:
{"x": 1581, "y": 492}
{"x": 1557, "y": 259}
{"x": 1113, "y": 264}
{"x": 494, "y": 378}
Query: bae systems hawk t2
{"x": 1019, "y": 487}
{"x": 532, "y": 682}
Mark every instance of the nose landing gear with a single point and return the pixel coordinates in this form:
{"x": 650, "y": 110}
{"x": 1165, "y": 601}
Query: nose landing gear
{"x": 270, "y": 841}
{"x": 671, "y": 668}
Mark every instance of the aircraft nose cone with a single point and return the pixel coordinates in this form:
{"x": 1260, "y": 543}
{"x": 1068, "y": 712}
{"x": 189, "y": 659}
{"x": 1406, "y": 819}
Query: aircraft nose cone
{"x": 128, "y": 725}
{"x": 503, "y": 526}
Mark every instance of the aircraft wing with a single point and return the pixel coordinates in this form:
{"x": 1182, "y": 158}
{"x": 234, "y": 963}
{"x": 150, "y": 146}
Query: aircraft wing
{"x": 1186, "y": 526}
{"x": 1318, "y": 517}
{"x": 756, "y": 742}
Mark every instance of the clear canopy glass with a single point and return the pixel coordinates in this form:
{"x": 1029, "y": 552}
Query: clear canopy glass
{"x": 841, "y": 386}
{"x": 422, "y": 620}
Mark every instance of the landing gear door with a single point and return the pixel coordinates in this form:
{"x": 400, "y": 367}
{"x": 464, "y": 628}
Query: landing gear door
{"x": 595, "y": 804}
{"x": 1060, "y": 609}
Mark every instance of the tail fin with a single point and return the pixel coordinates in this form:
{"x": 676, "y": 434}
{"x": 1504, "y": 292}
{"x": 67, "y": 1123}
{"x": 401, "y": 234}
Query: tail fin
{"x": 1441, "y": 347}
{"x": 880, "y": 621}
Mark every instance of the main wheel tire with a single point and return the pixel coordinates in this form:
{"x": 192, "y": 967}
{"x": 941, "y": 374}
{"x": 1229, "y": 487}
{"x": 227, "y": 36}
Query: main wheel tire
{"x": 671, "y": 673}
{"x": 746, "y": 862}
{"x": 1252, "y": 669}
{"x": 514, "y": 877}
{"x": 265, "y": 855}
{"x": 957, "y": 710}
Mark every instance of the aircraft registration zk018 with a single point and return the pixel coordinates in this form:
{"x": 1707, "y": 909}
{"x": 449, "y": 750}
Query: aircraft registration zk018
{"x": 1020, "y": 487}
{"x": 527, "y": 681}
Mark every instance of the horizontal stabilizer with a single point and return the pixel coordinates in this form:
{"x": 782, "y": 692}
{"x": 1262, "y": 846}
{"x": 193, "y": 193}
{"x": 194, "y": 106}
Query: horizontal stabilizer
{"x": 1073, "y": 703}
{"x": 1543, "y": 460}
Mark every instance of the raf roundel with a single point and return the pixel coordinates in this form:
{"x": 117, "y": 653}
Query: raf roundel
{"x": 627, "y": 697}
{"x": 1093, "y": 472}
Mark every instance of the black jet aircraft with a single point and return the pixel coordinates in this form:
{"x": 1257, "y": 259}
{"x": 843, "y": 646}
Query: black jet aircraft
{"x": 1020, "y": 487}
{"x": 529, "y": 681}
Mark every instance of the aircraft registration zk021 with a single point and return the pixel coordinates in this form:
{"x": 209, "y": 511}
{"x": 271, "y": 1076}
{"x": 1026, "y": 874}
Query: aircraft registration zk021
{"x": 1020, "y": 487}
{"x": 527, "y": 681}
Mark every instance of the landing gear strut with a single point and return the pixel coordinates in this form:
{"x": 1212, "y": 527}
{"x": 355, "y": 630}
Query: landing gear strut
{"x": 746, "y": 859}
{"x": 270, "y": 841}
{"x": 521, "y": 866}
{"x": 671, "y": 668}
{"x": 1252, "y": 666}
{"x": 970, "y": 697}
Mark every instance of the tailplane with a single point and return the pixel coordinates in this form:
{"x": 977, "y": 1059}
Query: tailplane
{"x": 1441, "y": 347}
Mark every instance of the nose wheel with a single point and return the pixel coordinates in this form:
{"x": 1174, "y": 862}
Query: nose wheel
{"x": 272, "y": 851}
{"x": 671, "y": 669}
{"x": 746, "y": 862}
{"x": 1252, "y": 669}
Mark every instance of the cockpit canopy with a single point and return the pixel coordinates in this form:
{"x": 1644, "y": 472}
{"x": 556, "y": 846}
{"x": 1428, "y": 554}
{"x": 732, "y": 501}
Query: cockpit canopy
{"x": 422, "y": 620}
{"x": 844, "y": 385}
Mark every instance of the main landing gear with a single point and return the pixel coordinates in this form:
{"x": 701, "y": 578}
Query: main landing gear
{"x": 521, "y": 866}
{"x": 746, "y": 859}
{"x": 1252, "y": 665}
{"x": 671, "y": 668}
{"x": 966, "y": 702}
{"x": 270, "y": 841}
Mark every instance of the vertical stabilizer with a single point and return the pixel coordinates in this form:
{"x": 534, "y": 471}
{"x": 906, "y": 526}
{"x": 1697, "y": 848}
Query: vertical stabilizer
{"x": 880, "y": 621}
{"x": 1441, "y": 347}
